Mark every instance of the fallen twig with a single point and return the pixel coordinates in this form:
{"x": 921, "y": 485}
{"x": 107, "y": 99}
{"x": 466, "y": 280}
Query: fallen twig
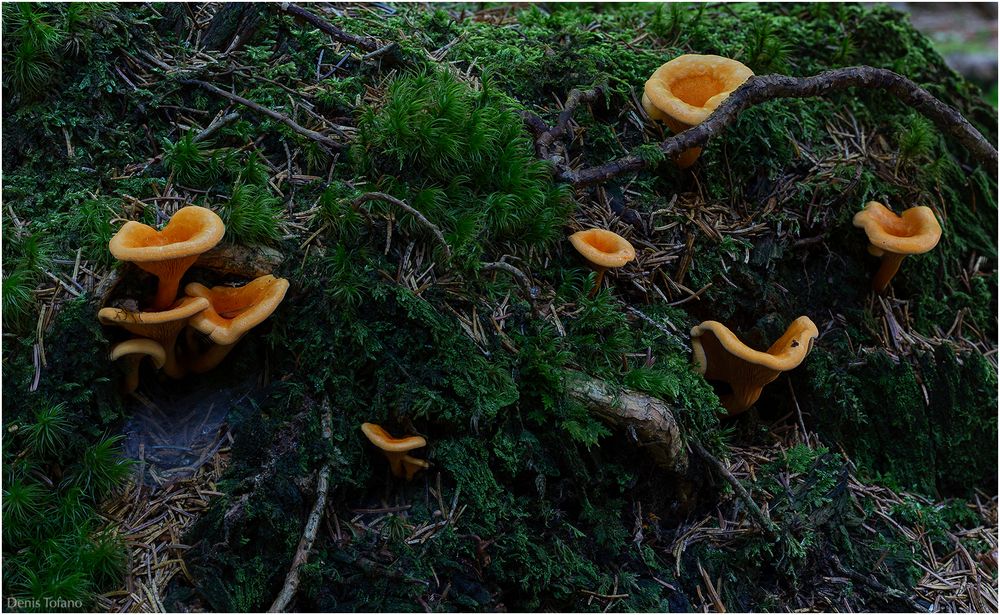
{"x": 765, "y": 524}
{"x": 381, "y": 196}
{"x": 312, "y": 524}
{"x": 284, "y": 119}
{"x": 765, "y": 88}
{"x": 336, "y": 33}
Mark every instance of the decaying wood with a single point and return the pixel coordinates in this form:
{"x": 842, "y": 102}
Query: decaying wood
{"x": 765, "y": 88}
{"x": 244, "y": 261}
{"x": 312, "y": 524}
{"x": 650, "y": 419}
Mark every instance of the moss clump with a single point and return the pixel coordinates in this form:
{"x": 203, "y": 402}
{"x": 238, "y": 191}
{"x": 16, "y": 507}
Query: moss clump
{"x": 59, "y": 463}
{"x": 934, "y": 444}
{"x": 461, "y": 157}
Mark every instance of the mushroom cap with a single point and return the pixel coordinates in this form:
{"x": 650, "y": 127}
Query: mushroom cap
{"x": 148, "y": 323}
{"x": 690, "y": 87}
{"x": 191, "y": 231}
{"x": 234, "y": 311}
{"x": 914, "y": 232}
{"x": 784, "y": 354}
{"x": 382, "y": 439}
{"x": 142, "y": 347}
{"x": 603, "y": 248}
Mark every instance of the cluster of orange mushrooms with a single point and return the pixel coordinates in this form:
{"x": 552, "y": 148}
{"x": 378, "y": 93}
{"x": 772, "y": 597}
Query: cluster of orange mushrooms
{"x": 222, "y": 315}
{"x": 683, "y": 93}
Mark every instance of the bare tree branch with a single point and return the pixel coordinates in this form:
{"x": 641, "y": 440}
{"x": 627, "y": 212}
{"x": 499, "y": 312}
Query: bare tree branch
{"x": 312, "y": 524}
{"x": 765, "y": 88}
{"x": 284, "y": 119}
{"x": 381, "y": 196}
{"x": 335, "y": 33}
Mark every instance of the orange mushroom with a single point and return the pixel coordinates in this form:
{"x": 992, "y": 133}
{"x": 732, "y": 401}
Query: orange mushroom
{"x": 231, "y": 313}
{"x": 162, "y": 327}
{"x": 603, "y": 250}
{"x": 169, "y": 253}
{"x": 895, "y": 237}
{"x": 133, "y": 351}
{"x": 720, "y": 355}
{"x": 396, "y": 450}
{"x": 686, "y": 90}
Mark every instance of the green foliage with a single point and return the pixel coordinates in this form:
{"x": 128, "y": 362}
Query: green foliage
{"x": 17, "y": 298}
{"x": 461, "y": 158}
{"x": 55, "y": 476}
{"x": 251, "y": 215}
{"x": 39, "y": 37}
{"x": 194, "y": 163}
{"x": 918, "y": 139}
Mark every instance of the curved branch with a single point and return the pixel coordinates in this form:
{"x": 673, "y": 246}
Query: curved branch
{"x": 761, "y": 89}
{"x": 312, "y": 524}
{"x": 284, "y": 119}
{"x": 381, "y": 196}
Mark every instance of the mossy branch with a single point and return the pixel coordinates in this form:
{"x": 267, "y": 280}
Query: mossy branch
{"x": 765, "y": 88}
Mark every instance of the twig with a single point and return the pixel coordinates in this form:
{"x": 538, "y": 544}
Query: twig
{"x": 381, "y": 196}
{"x": 764, "y": 88}
{"x": 215, "y": 125}
{"x": 511, "y": 269}
{"x": 574, "y": 100}
{"x": 766, "y": 524}
{"x": 336, "y": 33}
{"x": 284, "y": 119}
{"x": 312, "y": 524}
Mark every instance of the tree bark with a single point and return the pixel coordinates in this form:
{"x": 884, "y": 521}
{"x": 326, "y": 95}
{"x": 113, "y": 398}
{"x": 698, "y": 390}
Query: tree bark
{"x": 649, "y": 419}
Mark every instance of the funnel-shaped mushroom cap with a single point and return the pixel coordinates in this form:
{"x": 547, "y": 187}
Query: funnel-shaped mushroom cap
{"x": 234, "y": 311}
{"x": 133, "y": 352}
{"x": 162, "y": 327}
{"x": 915, "y": 232}
{"x": 169, "y": 253}
{"x": 141, "y": 347}
{"x": 382, "y": 439}
{"x": 720, "y": 355}
{"x": 687, "y": 89}
{"x": 603, "y": 248}
{"x": 396, "y": 449}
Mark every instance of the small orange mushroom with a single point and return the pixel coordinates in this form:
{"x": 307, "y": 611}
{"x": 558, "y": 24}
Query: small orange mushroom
{"x": 231, "y": 313}
{"x": 720, "y": 355}
{"x": 895, "y": 237}
{"x": 686, "y": 90}
{"x": 169, "y": 253}
{"x": 133, "y": 351}
{"x": 603, "y": 250}
{"x": 396, "y": 450}
{"x": 163, "y": 327}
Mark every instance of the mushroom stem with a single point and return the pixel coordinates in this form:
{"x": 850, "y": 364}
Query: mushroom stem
{"x": 597, "y": 283}
{"x": 166, "y": 293}
{"x": 210, "y": 359}
{"x": 886, "y": 271}
{"x": 168, "y": 275}
{"x": 132, "y": 372}
{"x": 171, "y": 367}
{"x": 741, "y": 399}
